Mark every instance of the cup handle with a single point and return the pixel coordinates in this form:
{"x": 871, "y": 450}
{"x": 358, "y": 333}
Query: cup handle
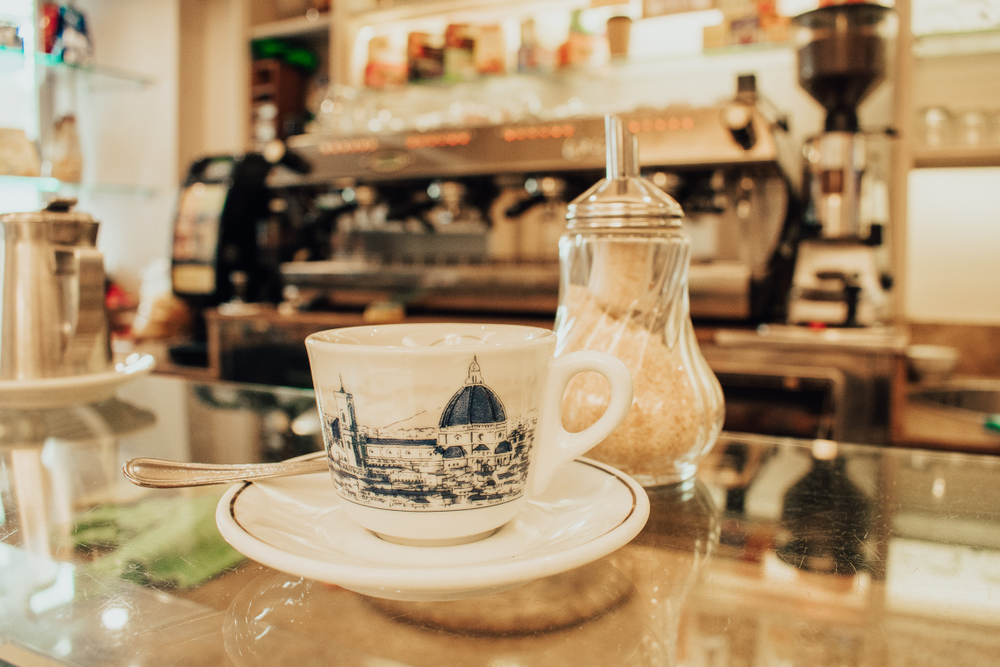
{"x": 557, "y": 446}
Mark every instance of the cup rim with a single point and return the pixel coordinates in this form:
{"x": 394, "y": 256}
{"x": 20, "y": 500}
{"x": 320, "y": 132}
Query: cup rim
{"x": 353, "y": 337}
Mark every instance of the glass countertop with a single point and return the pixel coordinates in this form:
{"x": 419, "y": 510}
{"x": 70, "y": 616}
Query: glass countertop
{"x": 781, "y": 552}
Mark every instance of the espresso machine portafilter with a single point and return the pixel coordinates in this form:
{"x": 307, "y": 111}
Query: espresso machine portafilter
{"x": 841, "y": 60}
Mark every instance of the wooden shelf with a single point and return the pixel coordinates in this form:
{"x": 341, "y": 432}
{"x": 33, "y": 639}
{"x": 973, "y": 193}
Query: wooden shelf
{"x": 927, "y": 158}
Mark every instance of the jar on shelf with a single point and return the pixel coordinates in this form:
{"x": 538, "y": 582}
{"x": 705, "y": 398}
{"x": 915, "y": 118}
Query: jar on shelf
{"x": 623, "y": 290}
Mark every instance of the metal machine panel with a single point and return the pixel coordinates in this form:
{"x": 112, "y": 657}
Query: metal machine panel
{"x": 676, "y": 136}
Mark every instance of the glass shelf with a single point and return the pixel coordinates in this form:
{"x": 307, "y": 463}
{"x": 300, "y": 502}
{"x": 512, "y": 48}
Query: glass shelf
{"x": 367, "y": 18}
{"x": 369, "y": 12}
{"x": 43, "y": 184}
{"x": 102, "y": 76}
{"x": 635, "y": 66}
{"x": 308, "y": 26}
{"x": 553, "y": 95}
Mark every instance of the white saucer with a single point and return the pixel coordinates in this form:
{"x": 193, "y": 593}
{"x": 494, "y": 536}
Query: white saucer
{"x": 296, "y": 525}
{"x": 57, "y": 392}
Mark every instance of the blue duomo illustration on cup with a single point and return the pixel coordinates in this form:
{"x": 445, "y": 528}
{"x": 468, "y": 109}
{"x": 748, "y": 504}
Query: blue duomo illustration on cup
{"x": 476, "y": 457}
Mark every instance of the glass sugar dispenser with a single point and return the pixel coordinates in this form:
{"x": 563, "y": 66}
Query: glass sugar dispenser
{"x": 623, "y": 290}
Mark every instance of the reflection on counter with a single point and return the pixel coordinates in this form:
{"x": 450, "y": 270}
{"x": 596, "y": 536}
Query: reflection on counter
{"x": 591, "y": 616}
{"x": 624, "y": 609}
{"x": 783, "y": 551}
{"x": 901, "y": 563}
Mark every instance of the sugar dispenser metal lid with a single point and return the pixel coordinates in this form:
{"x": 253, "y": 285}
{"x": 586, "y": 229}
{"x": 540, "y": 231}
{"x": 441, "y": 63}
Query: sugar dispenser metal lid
{"x": 623, "y": 198}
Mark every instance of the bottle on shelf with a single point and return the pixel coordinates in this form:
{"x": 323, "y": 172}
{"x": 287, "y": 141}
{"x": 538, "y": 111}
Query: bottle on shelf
{"x": 459, "y": 52}
{"x": 63, "y": 157}
{"x": 490, "y": 51}
{"x": 424, "y": 56}
{"x": 532, "y": 56}
{"x": 385, "y": 67}
{"x": 579, "y": 47}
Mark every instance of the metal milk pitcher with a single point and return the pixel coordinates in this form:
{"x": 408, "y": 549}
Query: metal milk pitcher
{"x": 53, "y": 320}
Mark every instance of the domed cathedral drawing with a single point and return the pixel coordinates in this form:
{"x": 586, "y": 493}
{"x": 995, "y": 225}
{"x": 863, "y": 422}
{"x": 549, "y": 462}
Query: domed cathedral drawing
{"x": 476, "y": 456}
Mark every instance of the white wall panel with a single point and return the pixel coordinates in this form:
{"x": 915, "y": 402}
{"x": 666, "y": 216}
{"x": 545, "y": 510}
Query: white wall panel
{"x": 954, "y": 246}
{"x": 129, "y": 133}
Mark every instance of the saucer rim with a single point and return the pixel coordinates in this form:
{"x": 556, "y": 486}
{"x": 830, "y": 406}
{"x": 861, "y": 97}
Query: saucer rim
{"x": 65, "y": 390}
{"x": 451, "y": 580}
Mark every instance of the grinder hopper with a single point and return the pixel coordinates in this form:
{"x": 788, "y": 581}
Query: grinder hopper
{"x": 842, "y": 59}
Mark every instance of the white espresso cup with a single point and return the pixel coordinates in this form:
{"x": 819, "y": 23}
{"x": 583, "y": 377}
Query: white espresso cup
{"x": 437, "y": 434}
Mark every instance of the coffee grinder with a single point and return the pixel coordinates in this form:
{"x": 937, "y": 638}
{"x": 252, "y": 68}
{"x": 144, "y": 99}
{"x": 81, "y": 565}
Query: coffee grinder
{"x": 837, "y": 279}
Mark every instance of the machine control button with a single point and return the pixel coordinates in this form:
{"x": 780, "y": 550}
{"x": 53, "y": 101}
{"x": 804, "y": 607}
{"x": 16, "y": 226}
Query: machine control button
{"x": 738, "y": 117}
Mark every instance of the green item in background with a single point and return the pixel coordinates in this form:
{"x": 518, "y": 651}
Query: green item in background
{"x": 289, "y": 52}
{"x": 159, "y": 542}
{"x": 992, "y": 423}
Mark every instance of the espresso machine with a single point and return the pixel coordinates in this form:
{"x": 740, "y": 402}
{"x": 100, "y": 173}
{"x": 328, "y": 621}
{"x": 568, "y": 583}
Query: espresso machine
{"x": 468, "y": 219}
{"x": 838, "y": 279}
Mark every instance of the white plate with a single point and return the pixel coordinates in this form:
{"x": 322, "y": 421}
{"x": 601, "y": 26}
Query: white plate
{"x": 296, "y": 525}
{"x": 57, "y": 392}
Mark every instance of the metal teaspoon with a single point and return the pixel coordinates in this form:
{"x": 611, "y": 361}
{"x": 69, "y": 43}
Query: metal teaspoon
{"x": 160, "y": 474}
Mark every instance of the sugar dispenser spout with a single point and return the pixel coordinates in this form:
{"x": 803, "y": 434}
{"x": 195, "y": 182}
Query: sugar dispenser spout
{"x": 621, "y": 149}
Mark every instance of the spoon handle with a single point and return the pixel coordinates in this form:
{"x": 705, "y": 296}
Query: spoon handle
{"x": 160, "y": 474}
